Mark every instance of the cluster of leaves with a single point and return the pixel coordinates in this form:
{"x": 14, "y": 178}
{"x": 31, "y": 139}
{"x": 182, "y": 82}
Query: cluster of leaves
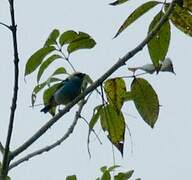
{"x": 106, "y": 174}
{"x": 158, "y": 46}
{"x": 49, "y": 53}
{"x": 111, "y": 117}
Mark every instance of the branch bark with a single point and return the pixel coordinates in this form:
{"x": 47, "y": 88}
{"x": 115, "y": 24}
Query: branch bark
{"x": 13, "y": 29}
{"x": 97, "y": 83}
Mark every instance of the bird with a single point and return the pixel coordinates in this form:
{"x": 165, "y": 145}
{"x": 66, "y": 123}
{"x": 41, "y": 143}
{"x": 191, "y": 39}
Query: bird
{"x": 69, "y": 89}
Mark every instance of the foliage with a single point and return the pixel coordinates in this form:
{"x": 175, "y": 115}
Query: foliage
{"x": 114, "y": 92}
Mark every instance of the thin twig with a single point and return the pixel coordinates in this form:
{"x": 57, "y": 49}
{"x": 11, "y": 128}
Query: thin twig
{"x": 5, "y": 25}
{"x": 2, "y": 148}
{"x": 57, "y": 143}
{"x": 13, "y": 28}
{"x": 97, "y": 83}
{"x": 65, "y": 57}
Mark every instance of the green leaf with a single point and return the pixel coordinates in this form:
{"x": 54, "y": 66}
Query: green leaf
{"x": 115, "y": 90}
{"x": 128, "y": 96}
{"x": 118, "y": 2}
{"x": 106, "y": 176}
{"x": 45, "y": 64}
{"x": 51, "y": 40}
{"x": 112, "y": 168}
{"x": 136, "y": 14}
{"x": 103, "y": 169}
{"x": 124, "y": 176}
{"x": 182, "y": 19}
{"x": 39, "y": 87}
{"x": 82, "y": 43}
{"x": 145, "y": 100}
{"x": 95, "y": 117}
{"x": 113, "y": 122}
{"x": 159, "y": 44}
{"x": 73, "y": 177}
{"x": 93, "y": 121}
{"x": 48, "y": 94}
{"x": 58, "y": 71}
{"x": 67, "y": 37}
{"x": 35, "y": 60}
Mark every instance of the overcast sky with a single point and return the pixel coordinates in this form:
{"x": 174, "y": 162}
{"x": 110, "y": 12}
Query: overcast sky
{"x": 160, "y": 153}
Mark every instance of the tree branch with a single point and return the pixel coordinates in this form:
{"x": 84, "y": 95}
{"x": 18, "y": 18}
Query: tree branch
{"x": 5, "y": 25}
{"x": 2, "y": 148}
{"x": 13, "y": 28}
{"x": 57, "y": 143}
{"x": 97, "y": 83}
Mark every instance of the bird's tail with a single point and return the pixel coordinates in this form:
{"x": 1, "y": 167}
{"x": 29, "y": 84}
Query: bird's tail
{"x": 46, "y": 108}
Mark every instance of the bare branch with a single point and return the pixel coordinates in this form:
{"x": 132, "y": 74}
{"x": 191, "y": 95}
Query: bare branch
{"x": 13, "y": 28}
{"x": 57, "y": 143}
{"x": 120, "y": 62}
{"x": 5, "y": 25}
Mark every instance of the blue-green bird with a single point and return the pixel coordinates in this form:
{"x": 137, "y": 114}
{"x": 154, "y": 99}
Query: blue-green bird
{"x": 69, "y": 89}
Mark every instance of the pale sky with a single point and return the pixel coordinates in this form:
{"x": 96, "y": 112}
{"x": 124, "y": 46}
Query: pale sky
{"x": 160, "y": 153}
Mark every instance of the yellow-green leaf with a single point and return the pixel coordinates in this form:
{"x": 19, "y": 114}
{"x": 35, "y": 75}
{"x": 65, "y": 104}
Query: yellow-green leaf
{"x": 159, "y": 44}
{"x": 35, "y": 60}
{"x": 113, "y": 122}
{"x": 45, "y": 64}
{"x": 115, "y": 90}
{"x": 128, "y": 96}
{"x": 188, "y": 5}
{"x": 145, "y": 100}
{"x": 51, "y": 40}
{"x": 182, "y": 19}
{"x": 136, "y": 14}
{"x": 118, "y": 2}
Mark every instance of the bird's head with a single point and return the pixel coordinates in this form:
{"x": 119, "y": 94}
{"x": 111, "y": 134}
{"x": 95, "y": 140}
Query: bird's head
{"x": 77, "y": 75}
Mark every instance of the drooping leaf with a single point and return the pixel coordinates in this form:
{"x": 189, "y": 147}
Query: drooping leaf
{"x": 115, "y": 90}
{"x": 39, "y": 87}
{"x": 93, "y": 121}
{"x": 73, "y": 177}
{"x": 48, "y": 94}
{"x": 182, "y": 19}
{"x": 124, "y": 176}
{"x": 45, "y": 64}
{"x": 51, "y": 40}
{"x": 118, "y": 2}
{"x": 95, "y": 117}
{"x": 114, "y": 124}
{"x": 167, "y": 66}
{"x": 136, "y": 14}
{"x": 67, "y": 37}
{"x": 159, "y": 44}
{"x": 82, "y": 43}
{"x": 35, "y": 60}
{"x": 58, "y": 71}
{"x": 145, "y": 100}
